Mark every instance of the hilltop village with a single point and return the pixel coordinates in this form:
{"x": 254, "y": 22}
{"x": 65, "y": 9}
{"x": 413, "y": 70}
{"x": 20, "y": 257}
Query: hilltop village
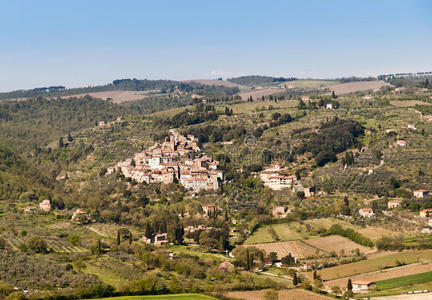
{"x": 177, "y": 159}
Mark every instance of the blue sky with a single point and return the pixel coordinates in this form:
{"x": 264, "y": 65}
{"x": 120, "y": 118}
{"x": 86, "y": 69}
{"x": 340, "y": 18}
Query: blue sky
{"x": 76, "y": 43}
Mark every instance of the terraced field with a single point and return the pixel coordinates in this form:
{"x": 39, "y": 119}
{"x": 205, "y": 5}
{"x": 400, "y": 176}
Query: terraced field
{"x": 55, "y": 245}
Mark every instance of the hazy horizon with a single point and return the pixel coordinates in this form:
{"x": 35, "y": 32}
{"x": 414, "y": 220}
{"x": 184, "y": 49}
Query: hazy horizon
{"x": 80, "y": 43}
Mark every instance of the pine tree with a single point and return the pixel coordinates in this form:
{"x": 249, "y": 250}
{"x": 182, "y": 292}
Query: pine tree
{"x": 314, "y": 275}
{"x": 69, "y": 138}
{"x": 60, "y": 143}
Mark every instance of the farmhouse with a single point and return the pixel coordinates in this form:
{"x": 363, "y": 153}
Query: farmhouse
{"x": 420, "y": 193}
{"x": 395, "y": 203}
{"x": 309, "y": 191}
{"x": 329, "y": 106}
{"x": 80, "y": 216}
{"x": 360, "y": 285}
{"x": 226, "y": 266}
{"x": 280, "y": 211}
{"x": 401, "y": 143}
{"x": 45, "y": 205}
{"x": 366, "y": 212}
{"x": 426, "y": 213}
{"x": 210, "y": 209}
{"x": 157, "y": 239}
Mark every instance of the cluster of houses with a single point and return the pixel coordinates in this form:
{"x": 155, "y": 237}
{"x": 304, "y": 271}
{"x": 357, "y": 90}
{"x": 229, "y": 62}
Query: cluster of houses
{"x": 368, "y": 212}
{"x": 78, "y": 216}
{"x": 272, "y": 179}
{"x": 45, "y": 205}
{"x": 177, "y": 159}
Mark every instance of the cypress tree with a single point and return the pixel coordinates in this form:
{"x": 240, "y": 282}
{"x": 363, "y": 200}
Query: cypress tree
{"x": 295, "y": 279}
{"x": 349, "y": 285}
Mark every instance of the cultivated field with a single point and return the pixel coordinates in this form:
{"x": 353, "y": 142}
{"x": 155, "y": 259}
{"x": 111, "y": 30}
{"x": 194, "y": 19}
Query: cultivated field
{"x": 313, "y": 84}
{"x": 297, "y": 249}
{"x": 404, "y": 281}
{"x": 337, "y": 243}
{"x": 294, "y": 294}
{"x": 351, "y": 87}
{"x": 117, "y": 96}
{"x": 215, "y": 82}
{"x": 375, "y": 264}
{"x": 248, "y": 107}
{"x": 163, "y": 297}
{"x": 286, "y": 232}
{"x": 384, "y": 274}
{"x": 408, "y": 103}
{"x": 371, "y": 232}
{"x": 258, "y": 93}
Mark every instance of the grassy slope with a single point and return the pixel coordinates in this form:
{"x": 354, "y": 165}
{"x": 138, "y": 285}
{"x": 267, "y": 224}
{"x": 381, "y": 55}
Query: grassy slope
{"x": 404, "y": 281}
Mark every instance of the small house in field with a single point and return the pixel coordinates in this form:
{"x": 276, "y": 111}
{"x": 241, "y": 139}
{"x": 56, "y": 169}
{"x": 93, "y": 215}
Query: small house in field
{"x": 401, "y": 143}
{"x": 395, "y": 203}
{"x": 210, "y": 209}
{"x": 366, "y": 212}
{"x": 280, "y": 211}
{"x": 329, "y": 106}
{"x": 226, "y": 266}
{"x": 425, "y": 213}
{"x": 45, "y": 205}
{"x": 160, "y": 239}
{"x": 309, "y": 191}
{"x": 363, "y": 285}
{"x": 420, "y": 193}
{"x": 80, "y": 216}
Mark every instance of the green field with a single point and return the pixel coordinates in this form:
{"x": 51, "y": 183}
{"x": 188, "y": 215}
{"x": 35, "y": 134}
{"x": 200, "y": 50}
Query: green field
{"x": 284, "y": 232}
{"x": 404, "y": 281}
{"x": 310, "y": 83}
{"x": 163, "y": 297}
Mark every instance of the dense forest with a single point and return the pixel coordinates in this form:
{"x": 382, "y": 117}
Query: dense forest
{"x": 334, "y": 137}
{"x": 36, "y": 122}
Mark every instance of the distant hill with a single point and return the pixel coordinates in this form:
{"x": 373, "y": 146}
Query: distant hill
{"x": 253, "y": 80}
{"x": 214, "y": 82}
{"x": 118, "y": 84}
